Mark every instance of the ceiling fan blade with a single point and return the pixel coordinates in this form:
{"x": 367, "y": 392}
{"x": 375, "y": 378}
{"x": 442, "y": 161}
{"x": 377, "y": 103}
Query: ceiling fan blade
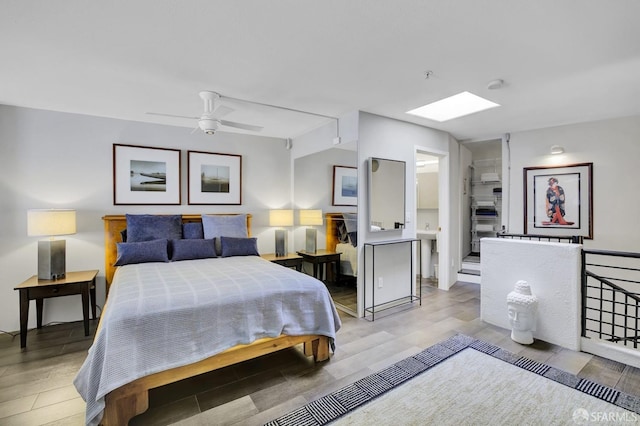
{"x": 241, "y": 125}
{"x": 194, "y": 130}
{"x": 222, "y": 110}
{"x": 171, "y": 115}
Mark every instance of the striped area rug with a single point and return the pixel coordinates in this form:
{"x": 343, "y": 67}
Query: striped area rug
{"x": 467, "y": 381}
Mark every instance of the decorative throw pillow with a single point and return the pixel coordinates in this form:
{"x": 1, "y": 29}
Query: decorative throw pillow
{"x": 343, "y": 235}
{"x": 192, "y": 249}
{"x": 191, "y": 230}
{"x": 142, "y": 252}
{"x": 351, "y": 223}
{"x": 239, "y": 246}
{"x": 216, "y": 226}
{"x": 147, "y": 227}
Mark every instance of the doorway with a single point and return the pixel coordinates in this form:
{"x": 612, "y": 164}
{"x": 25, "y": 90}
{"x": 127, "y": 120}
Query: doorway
{"x": 431, "y": 214}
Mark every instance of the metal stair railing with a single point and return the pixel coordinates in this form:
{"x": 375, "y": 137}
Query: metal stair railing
{"x": 611, "y": 296}
{"x": 571, "y": 239}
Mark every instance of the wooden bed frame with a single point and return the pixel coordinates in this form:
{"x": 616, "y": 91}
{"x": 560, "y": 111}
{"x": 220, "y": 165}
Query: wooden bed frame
{"x": 132, "y": 399}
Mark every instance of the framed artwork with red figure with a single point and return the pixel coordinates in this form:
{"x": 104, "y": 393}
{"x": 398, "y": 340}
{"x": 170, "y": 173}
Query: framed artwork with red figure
{"x": 558, "y": 200}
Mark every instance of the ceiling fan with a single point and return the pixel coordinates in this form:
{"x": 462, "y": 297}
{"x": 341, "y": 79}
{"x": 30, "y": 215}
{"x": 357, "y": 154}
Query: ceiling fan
{"x": 211, "y": 119}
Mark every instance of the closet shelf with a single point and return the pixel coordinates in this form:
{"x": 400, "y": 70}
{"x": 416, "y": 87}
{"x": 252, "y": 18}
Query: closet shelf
{"x": 485, "y": 199}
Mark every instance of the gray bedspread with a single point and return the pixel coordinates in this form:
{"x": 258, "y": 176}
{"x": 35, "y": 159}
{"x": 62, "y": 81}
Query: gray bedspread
{"x": 164, "y": 315}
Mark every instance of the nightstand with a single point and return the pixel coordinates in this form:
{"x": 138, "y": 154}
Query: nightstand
{"x": 80, "y": 282}
{"x": 290, "y": 260}
{"x": 322, "y": 258}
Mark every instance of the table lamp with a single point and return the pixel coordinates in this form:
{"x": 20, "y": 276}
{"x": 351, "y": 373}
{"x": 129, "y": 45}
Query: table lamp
{"x": 51, "y": 252}
{"x": 311, "y": 218}
{"x": 282, "y": 217}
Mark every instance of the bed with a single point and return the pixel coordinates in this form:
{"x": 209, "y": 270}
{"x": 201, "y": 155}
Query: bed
{"x": 165, "y": 321}
{"x": 341, "y": 234}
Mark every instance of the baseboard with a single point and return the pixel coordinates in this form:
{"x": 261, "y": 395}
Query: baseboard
{"x": 469, "y": 278}
{"x": 611, "y": 351}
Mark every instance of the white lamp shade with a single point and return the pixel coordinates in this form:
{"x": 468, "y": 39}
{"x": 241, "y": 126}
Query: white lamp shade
{"x": 310, "y": 217}
{"x": 282, "y": 217}
{"x": 51, "y": 222}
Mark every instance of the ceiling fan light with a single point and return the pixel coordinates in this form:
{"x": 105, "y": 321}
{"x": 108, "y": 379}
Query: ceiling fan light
{"x": 208, "y": 125}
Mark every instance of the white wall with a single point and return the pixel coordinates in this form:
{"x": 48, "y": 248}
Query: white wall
{"x": 313, "y": 156}
{"x": 397, "y": 140}
{"x": 553, "y": 272}
{"x": 313, "y": 184}
{"x": 614, "y": 149}
{"x": 50, "y": 159}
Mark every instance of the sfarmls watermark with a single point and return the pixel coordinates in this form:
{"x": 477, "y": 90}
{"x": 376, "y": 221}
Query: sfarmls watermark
{"x": 583, "y": 417}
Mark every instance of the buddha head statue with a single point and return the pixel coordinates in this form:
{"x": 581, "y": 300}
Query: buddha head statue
{"x": 522, "y": 306}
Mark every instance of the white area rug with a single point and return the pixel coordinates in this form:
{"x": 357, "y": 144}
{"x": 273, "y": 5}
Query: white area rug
{"x": 464, "y": 381}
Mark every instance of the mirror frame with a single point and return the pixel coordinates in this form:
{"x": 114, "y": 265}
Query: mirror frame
{"x": 398, "y": 226}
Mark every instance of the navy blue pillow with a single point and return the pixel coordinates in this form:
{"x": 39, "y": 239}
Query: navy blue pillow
{"x": 227, "y": 225}
{"x": 216, "y": 226}
{"x": 191, "y": 230}
{"x": 142, "y": 252}
{"x": 239, "y": 246}
{"x": 192, "y": 249}
{"x": 148, "y": 227}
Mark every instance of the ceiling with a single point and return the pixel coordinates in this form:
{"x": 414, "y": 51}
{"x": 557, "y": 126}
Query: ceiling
{"x": 562, "y": 61}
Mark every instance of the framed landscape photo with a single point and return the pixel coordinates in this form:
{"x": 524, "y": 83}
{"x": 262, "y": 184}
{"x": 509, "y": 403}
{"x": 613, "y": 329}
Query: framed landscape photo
{"x": 558, "y": 200}
{"x": 145, "y": 175}
{"x": 345, "y": 186}
{"x": 214, "y": 178}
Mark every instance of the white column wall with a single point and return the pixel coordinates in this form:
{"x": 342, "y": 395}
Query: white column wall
{"x": 553, "y": 272}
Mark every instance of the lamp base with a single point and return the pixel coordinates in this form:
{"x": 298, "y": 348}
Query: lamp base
{"x": 281, "y": 243}
{"x": 311, "y": 245}
{"x": 51, "y": 259}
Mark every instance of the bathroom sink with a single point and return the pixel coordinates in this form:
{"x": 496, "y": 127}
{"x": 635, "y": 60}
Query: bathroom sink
{"x": 427, "y": 234}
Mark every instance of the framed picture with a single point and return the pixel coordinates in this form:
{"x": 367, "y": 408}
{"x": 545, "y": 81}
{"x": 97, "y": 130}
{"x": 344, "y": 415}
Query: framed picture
{"x": 214, "y": 178}
{"x": 558, "y": 200}
{"x": 145, "y": 175}
{"x": 345, "y": 186}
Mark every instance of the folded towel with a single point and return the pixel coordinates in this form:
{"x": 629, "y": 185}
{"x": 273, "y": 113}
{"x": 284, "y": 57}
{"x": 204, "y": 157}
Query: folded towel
{"x": 486, "y": 212}
{"x": 489, "y": 177}
{"x": 483, "y": 227}
{"x": 485, "y": 203}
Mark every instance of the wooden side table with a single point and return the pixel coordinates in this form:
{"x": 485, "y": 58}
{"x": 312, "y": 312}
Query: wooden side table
{"x": 80, "y": 282}
{"x": 321, "y": 260}
{"x": 290, "y": 260}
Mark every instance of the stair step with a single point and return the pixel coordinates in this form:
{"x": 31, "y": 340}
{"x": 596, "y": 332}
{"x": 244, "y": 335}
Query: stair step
{"x": 470, "y": 266}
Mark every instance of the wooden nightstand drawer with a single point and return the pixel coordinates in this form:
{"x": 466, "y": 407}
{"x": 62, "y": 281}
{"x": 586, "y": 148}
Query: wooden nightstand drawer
{"x": 81, "y": 283}
{"x": 53, "y": 291}
{"x": 290, "y": 260}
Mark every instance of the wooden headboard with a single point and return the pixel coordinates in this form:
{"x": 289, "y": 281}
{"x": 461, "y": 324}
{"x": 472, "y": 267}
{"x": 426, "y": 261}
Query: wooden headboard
{"x": 332, "y": 221}
{"x": 115, "y": 224}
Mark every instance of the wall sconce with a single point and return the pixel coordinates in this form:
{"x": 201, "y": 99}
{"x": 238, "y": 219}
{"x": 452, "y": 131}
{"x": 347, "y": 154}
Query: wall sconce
{"x": 311, "y": 218}
{"x": 51, "y": 253}
{"x": 557, "y": 149}
{"x": 281, "y": 218}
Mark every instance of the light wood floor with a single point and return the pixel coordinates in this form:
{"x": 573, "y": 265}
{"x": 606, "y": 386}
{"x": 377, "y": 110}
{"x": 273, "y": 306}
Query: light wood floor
{"x": 36, "y": 384}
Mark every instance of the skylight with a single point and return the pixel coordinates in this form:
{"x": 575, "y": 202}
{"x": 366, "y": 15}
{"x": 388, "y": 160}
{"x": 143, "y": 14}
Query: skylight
{"x": 455, "y": 106}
